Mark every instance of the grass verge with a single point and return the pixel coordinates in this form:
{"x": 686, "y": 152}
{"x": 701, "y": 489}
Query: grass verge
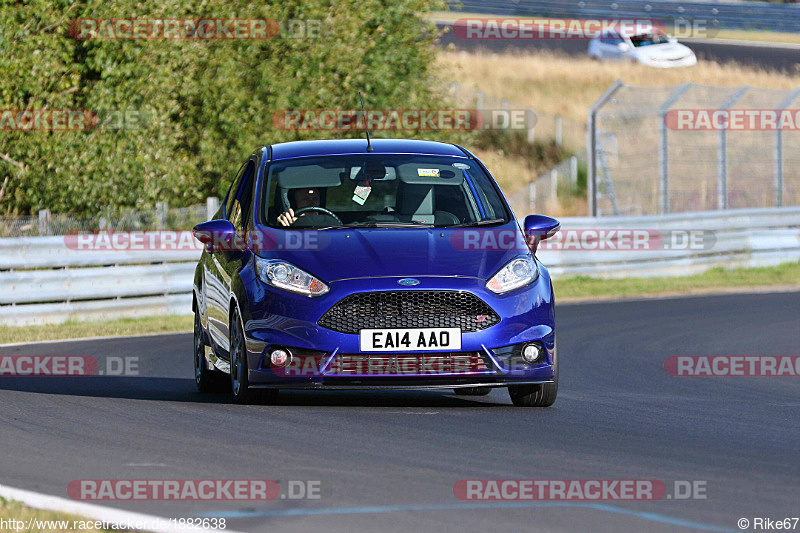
{"x": 42, "y": 521}
{"x": 75, "y": 330}
{"x": 715, "y": 280}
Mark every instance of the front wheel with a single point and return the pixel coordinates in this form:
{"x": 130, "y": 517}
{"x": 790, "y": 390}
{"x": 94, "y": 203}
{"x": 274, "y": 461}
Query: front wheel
{"x": 242, "y": 393}
{"x": 541, "y": 395}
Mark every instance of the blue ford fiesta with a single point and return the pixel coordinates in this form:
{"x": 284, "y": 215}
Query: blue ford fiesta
{"x": 348, "y": 265}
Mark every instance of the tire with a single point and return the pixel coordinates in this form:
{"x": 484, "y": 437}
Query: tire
{"x": 206, "y": 379}
{"x": 242, "y": 393}
{"x": 541, "y": 395}
{"x": 473, "y": 391}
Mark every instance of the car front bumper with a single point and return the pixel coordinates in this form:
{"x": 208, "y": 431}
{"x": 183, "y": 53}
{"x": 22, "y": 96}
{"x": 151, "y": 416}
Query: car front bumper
{"x": 281, "y": 319}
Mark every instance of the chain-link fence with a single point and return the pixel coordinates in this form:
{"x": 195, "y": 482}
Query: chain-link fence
{"x": 542, "y": 195}
{"x": 161, "y": 217}
{"x": 547, "y": 127}
{"x": 692, "y": 148}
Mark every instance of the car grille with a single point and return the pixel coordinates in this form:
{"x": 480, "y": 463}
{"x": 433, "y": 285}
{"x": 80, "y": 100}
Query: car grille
{"x": 399, "y": 364}
{"x": 409, "y": 309}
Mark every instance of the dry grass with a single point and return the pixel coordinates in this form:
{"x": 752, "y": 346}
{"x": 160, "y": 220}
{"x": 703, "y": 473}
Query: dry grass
{"x": 557, "y": 84}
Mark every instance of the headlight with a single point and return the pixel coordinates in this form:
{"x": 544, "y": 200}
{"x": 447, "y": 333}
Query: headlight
{"x": 515, "y": 274}
{"x": 288, "y": 277}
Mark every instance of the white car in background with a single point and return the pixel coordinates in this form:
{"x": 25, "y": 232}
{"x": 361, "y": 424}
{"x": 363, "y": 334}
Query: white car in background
{"x": 653, "y": 48}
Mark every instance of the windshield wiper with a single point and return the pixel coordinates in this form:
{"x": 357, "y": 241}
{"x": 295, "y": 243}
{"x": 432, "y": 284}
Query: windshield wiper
{"x": 478, "y": 223}
{"x": 386, "y": 224}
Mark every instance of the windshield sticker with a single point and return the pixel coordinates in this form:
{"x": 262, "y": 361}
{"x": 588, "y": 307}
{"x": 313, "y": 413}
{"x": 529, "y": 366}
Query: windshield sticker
{"x": 462, "y": 166}
{"x": 428, "y": 172}
{"x": 361, "y": 194}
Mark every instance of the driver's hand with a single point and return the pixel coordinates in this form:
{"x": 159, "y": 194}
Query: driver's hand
{"x": 287, "y": 218}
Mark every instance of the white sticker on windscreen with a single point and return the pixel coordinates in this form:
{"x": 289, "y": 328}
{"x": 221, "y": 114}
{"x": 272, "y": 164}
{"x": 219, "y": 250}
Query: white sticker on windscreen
{"x": 428, "y": 172}
{"x": 462, "y": 166}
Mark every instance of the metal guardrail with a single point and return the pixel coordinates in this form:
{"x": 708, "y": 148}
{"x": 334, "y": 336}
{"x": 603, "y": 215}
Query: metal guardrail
{"x": 743, "y": 238}
{"x": 730, "y": 15}
{"x": 44, "y": 281}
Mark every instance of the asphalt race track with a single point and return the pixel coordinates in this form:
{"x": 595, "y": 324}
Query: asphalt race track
{"x": 766, "y": 55}
{"x": 388, "y": 461}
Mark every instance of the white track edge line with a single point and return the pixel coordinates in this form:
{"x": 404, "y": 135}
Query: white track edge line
{"x": 90, "y": 511}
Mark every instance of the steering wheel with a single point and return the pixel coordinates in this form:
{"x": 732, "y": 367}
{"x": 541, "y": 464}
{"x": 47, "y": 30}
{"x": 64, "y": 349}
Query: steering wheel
{"x": 320, "y": 209}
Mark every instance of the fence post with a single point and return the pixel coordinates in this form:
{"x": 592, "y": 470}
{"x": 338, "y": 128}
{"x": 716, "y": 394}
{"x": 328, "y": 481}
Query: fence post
{"x": 722, "y": 153}
{"x": 532, "y": 127}
{"x": 212, "y": 205}
{"x": 573, "y": 171}
{"x": 778, "y": 192}
{"x": 161, "y": 215}
{"x": 532, "y": 197}
{"x": 558, "y": 130}
{"x": 591, "y": 146}
{"x": 663, "y": 148}
{"x": 44, "y": 222}
{"x": 479, "y": 100}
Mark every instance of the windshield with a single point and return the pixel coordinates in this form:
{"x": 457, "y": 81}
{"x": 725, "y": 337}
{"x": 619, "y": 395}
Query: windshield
{"x": 379, "y": 190}
{"x": 647, "y": 39}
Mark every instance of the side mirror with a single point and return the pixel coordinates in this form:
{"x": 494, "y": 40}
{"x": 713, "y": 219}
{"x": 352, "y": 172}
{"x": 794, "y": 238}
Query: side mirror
{"x": 219, "y": 231}
{"x": 623, "y": 47}
{"x": 539, "y": 228}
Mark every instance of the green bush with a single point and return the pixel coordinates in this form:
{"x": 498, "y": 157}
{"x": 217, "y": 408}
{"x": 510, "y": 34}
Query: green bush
{"x": 208, "y": 103}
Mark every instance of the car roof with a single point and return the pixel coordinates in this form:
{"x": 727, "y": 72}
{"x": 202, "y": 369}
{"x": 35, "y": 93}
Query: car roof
{"x": 290, "y": 150}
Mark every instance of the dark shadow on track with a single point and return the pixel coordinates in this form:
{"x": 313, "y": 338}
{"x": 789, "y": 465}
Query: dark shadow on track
{"x": 183, "y": 390}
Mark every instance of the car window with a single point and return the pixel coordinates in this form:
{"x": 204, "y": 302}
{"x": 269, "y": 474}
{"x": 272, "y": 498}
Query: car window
{"x": 230, "y": 197}
{"x": 240, "y": 204}
{"x": 375, "y": 189}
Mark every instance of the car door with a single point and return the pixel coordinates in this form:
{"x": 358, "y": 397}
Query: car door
{"x": 214, "y": 291}
{"x": 610, "y": 46}
{"x": 227, "y": 262}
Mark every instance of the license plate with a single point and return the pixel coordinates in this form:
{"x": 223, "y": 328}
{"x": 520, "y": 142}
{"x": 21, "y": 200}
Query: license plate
{"x": 405, "y": 340}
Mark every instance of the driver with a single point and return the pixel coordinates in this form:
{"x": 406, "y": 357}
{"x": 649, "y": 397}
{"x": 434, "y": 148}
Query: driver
{"x": 300, "y": 198}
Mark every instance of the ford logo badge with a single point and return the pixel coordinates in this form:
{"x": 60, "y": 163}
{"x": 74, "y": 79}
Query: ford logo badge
{"x": 408, "y": 282}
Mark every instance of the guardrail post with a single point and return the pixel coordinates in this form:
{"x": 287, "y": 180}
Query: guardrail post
{"x": 212, "y": 205}
{"x": 44, "y": 222}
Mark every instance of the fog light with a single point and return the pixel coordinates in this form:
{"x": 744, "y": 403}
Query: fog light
{"x": 531, "y": 352}
{"x": 279, "y": 356}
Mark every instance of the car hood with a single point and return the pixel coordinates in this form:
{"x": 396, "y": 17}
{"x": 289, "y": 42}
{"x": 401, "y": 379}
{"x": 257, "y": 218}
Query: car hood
{"x": 664, "y": 51}
{"x": 404, "y": 252}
